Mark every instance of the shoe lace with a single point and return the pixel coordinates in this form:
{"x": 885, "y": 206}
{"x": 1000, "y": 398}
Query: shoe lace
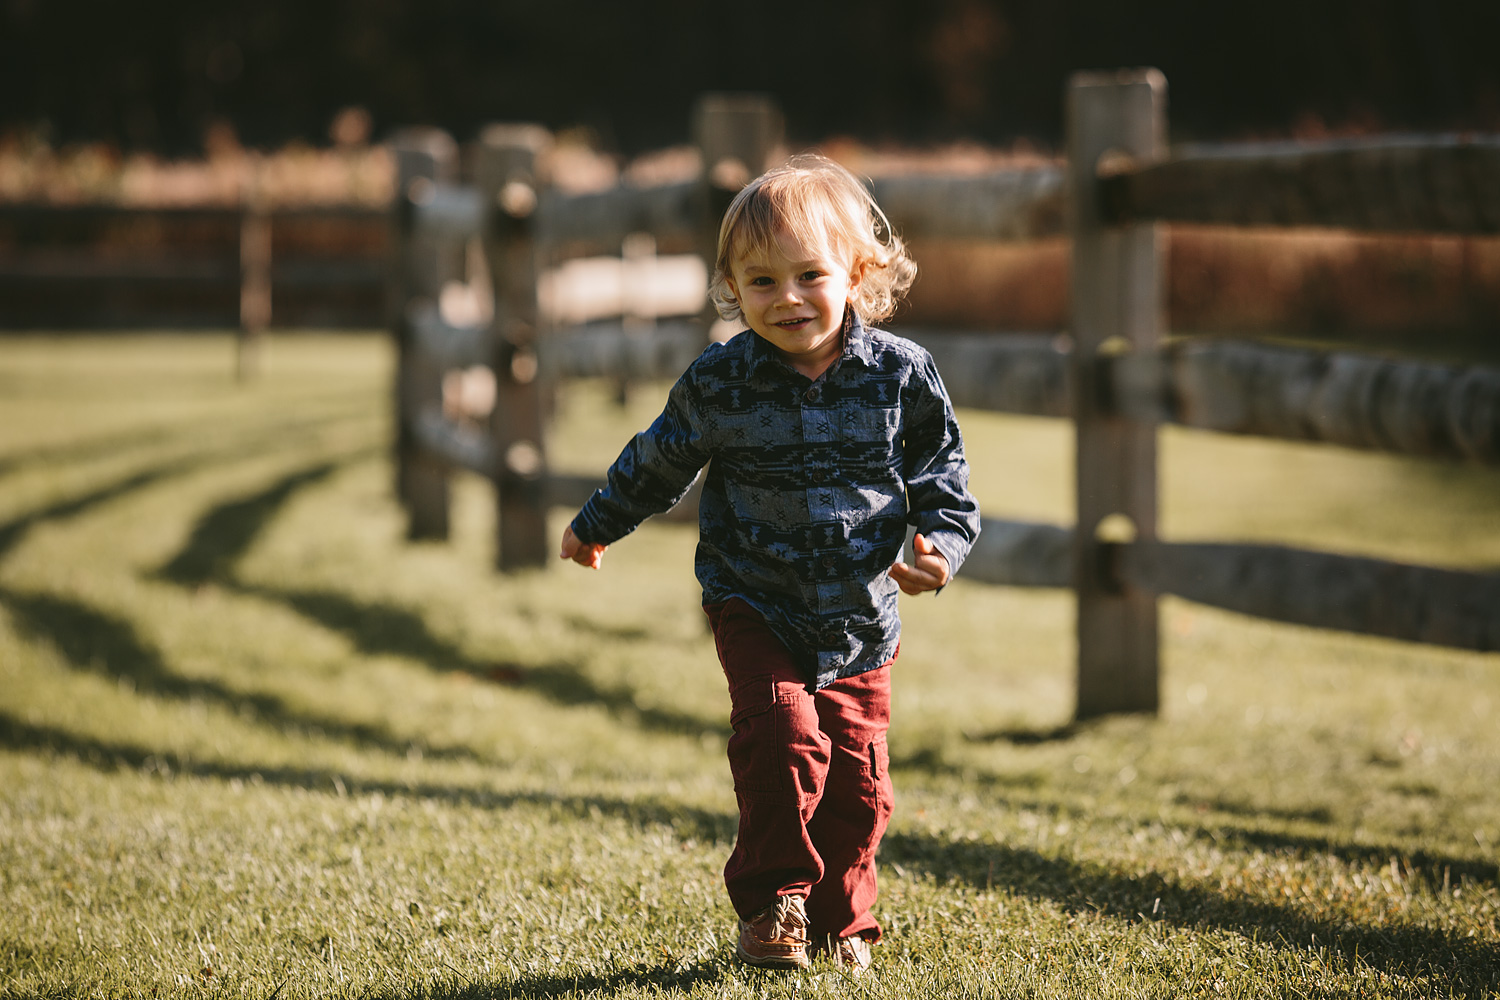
{"x": 790, "y": 914}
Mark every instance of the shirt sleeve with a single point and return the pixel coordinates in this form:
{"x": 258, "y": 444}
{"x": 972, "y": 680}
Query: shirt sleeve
{"x": 939, "y": 503}
{"x": 653, "y": 472}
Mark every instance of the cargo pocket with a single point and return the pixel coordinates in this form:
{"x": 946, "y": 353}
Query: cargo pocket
{"x": 755, "y": 751}
{"x": 856, "y": 806}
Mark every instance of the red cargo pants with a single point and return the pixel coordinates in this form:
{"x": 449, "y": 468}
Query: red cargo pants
{"x": 810, "y": 774}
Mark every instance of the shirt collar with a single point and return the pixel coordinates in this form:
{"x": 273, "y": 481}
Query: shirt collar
{"x": 858, "y": 342}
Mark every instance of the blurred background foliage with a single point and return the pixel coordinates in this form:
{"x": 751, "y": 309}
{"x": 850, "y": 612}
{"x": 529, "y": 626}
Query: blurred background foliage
{"x": 160, "y": 75}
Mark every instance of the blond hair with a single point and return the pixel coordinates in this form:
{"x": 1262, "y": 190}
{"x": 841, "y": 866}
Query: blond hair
{"x": 819, "y": 204}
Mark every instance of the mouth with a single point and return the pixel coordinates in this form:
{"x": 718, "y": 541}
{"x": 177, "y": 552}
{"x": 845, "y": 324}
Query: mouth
{"x": 794, "y": 324}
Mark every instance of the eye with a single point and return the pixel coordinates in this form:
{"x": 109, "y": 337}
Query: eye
{"x": 811, "y": 275}
{"x": 762, "y": 281}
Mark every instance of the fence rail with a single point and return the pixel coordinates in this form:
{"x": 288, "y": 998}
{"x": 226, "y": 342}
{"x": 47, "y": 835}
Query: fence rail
{"x": 1009, "y": 204}
{"x": 1370, "y": 596}
{"x": 1333, "y": 397}
{"x": 239, "y": 267}
{"x": 1353, "y": 594}
{"x": 1114, "y": 374}
{"x": 599, "y": 222}
{"x": 1438, "y": 184}
{"x": 1242, "y": 387}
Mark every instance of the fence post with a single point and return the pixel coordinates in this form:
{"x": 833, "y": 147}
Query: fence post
{"x": 505, "y": 170}
{"x": 255, "y": 273}
{"x": 736, "y": 135}
{"x": 419, "y": 268}
{"x": 1116, "y": 308}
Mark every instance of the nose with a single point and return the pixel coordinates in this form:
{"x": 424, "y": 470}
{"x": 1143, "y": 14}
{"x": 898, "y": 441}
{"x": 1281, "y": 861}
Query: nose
{"x": 788, "y": 293}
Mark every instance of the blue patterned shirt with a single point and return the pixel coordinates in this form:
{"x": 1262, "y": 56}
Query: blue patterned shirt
{"x": 809, "y": 489}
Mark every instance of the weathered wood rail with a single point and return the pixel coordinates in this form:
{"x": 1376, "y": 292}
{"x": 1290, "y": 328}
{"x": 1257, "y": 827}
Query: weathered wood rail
{"x": 1444, "y": 184}
{"x": 1115, "y": 373}
{"x": 96, "y": 266}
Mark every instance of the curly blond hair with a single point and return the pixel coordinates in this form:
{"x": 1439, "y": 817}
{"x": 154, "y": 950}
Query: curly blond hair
{"x": 818, "y": 204}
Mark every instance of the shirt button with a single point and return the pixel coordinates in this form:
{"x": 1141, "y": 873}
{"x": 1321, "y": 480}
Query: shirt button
{"x": 811, "y": 395}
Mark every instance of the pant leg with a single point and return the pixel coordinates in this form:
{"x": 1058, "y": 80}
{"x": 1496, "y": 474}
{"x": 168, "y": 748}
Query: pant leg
{"x": 854, "y": 713}
{"x": 778, "y": 756}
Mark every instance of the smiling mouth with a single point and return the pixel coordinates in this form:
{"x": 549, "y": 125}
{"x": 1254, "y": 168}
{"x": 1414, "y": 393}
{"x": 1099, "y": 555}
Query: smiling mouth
{"x": 795, "y": 322}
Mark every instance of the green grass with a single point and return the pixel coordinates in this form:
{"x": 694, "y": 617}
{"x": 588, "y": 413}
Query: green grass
{"x": 253, "y": 743}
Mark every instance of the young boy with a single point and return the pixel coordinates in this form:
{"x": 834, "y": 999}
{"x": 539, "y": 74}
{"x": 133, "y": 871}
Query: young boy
{"x": 823, "y": 439}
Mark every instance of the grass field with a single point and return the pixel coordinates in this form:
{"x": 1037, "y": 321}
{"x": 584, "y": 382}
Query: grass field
{"x": 253, "y": 743}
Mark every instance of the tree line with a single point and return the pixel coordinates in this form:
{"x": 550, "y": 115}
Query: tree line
{"x": 156, "y": 74}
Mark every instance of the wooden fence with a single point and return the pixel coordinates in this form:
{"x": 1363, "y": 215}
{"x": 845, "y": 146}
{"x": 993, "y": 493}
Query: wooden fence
{"x": 242, "y": 267}
{"x": 1115, "y": 373}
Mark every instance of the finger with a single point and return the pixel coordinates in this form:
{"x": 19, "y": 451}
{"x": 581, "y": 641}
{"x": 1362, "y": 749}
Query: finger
{"x": 913, "y": 579}
{"x": 930, "y": 559}
{"x": 913, "y": 586}
{"x": 922, "y": 566}
{"x": 936, "y": 566}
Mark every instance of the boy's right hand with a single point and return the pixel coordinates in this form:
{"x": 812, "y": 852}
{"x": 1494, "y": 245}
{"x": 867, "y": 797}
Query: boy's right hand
{"x": 583, "y": 554}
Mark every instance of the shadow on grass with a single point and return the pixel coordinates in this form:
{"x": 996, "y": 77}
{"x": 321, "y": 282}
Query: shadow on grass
{"x": 687, "y": 822}
{"x": 1232, "y": 807}
{"x": 12, "y": 532}
{"x": 614, "y": 633}
{"x": 1436, "y": 869}
{"x": 226, "y": 532}
{"x": 1021, "y": 737}
{"x": 1448, "y": 964}
{"x": 91, "y": 640}
{"x": 678, "y": 977}
{"x": 223, "y": 535}
{"x": 109, "y": 445}
{"x": 1447, "y": 961}
{"x": 380, "y": 628}
{"x": 932, "y": 760}
{"x": 95, "y": 447}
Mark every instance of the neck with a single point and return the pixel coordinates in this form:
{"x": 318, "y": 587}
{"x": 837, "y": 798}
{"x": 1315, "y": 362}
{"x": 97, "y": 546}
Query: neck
{"x": 815, "y": 368}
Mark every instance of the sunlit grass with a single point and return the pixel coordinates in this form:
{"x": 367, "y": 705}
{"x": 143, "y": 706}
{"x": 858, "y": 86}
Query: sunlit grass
{"x": 254, "y": 743}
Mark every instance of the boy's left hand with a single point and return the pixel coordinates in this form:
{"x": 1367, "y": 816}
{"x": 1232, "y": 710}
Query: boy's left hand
{"x": 928, "y": 571}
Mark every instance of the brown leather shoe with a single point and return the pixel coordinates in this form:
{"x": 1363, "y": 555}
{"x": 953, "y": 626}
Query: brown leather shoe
{"x": 852, "y": 954}
{"x": 776, "y": 937}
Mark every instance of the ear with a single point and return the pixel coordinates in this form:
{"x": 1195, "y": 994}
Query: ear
{"x": 856, "y": 278}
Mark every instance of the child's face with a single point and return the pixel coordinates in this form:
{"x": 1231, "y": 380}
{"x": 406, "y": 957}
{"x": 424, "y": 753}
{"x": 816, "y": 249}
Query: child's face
{"x": 794, "y": 296}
